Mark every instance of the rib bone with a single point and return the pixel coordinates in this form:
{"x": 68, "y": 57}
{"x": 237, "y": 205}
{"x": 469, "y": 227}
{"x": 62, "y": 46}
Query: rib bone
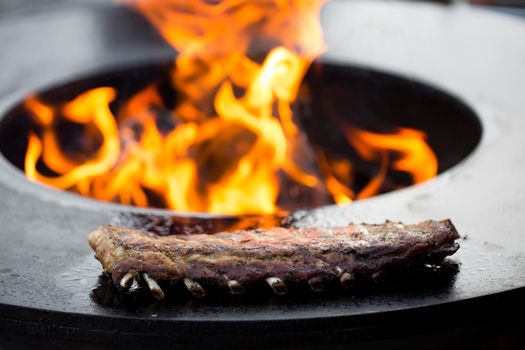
{"x": 127, "y": 281}
{"x": 153, "y": 287}
{"x": 347, "y": 279}
{"x": 235, "y": 287}
{"x": 316, "y": 284}
{"x": 277, "y": 285}
{"x": 377, "y": 276}
{"x": 194, "y": 288}
{"x": 339, "y": 271}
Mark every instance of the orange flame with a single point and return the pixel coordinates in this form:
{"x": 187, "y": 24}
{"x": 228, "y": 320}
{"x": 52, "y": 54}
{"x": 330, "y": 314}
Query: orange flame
{"x": 408, "y": 143}
{"x": 239, "y": 67}
{"x": 412, "y": 155}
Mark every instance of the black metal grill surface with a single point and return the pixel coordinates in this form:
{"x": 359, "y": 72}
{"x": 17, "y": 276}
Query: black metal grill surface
{"x": 49, "y": 281}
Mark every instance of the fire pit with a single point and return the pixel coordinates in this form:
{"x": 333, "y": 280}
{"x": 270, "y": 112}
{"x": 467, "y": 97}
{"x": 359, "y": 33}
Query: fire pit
{"x": 50, "y": 282}
{"x": 382, "y": 101}
{"x": 228, "y": 128}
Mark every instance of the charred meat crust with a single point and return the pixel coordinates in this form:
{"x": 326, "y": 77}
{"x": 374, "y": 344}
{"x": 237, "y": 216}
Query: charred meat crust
{"x": 291, "y": 255}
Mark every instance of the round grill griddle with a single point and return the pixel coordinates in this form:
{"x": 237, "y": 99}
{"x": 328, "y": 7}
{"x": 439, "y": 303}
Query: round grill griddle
{"x": 50, "y": 284}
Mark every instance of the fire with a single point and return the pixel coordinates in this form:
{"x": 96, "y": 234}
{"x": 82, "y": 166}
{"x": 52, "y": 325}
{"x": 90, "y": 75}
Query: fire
{"x": 405, "y": 142}
{"x": 234, "y": 138}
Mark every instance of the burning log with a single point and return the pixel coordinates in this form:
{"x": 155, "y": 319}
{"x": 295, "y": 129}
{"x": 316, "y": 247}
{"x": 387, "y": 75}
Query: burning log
{"x": 277, "y": 256}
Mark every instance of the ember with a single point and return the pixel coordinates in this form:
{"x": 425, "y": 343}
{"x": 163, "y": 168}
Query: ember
{"x": 234, "y": 140}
